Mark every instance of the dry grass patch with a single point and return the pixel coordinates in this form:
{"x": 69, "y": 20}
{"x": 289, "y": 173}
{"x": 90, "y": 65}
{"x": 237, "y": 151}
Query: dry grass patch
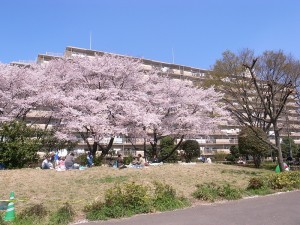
{"x": 79, "y": 188}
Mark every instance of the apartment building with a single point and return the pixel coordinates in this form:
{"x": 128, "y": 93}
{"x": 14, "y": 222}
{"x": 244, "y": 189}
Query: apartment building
{"x": 219, "y": 141}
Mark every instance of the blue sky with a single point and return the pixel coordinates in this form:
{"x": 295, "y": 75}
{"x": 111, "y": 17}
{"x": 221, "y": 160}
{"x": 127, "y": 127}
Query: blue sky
{"x": 198, "y": 31}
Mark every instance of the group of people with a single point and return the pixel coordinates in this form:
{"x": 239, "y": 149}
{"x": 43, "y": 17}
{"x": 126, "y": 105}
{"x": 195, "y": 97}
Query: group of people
{"x": 138, "y": 162}
{"x": 204, "y": 160}
{"x": 53, "y": 161}
{"x": 59, "y": 163}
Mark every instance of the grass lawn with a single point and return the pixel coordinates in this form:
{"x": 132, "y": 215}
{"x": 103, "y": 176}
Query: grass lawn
{"x": 80, "y": 188}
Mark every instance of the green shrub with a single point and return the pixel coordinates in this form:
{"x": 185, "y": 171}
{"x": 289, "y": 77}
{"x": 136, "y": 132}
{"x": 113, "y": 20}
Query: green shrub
{"x": 206, "y": 192}
{"x": 266, "y": 184}
{"x": 256, "y": 183}
{"x": 229, "y": 193}
{"x": 212, "y": 192}
{"x": 191, "y": 149}
{"x": 18, "y": 148}
{"x": 220, "y": 156}
{"x": 37, "y": 210}
{"x": 98, "y": 160}
{"x": 120, "y": 201}
{"x": 62, "y": 216}
{"x": 230, "y": 158}
{"x": 165, "y": 198}
{"x": 286, "y": 180}
{"x": 81, "y": 159}
{"x": 166, "y": 146}
{"x": 131, "y": 198}
{"x": 128, "y": 159}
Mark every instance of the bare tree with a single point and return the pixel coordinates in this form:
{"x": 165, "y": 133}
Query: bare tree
{"x": 258, "y": 89}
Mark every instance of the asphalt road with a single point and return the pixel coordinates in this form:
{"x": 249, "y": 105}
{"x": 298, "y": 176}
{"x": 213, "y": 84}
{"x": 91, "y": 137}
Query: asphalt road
{"x": 277, "y": 209}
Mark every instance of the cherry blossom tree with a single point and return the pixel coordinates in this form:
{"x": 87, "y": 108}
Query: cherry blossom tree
{"x": 19, "y": 90}
{"x": 183, "y": 110}
{"x": 107, "y": 96}
{"x": 96, "y": 97}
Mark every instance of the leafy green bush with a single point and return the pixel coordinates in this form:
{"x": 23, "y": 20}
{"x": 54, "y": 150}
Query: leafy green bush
{"x": 131, "y": 198}
{"x": 230, "y": 158}
{"x": 128, "y": 159}
{"x": 62, "y": 216}
{"x": 212, "y": 192}
{"x": 36, "y": 211}
{"x": 256, "y": 183}
{"x": 165, "y": 198}
{"x": 166, "y": 146}
{"x": 250, "y": 144}
{"x": 234, "y": 154}
{"x": 267, "y": 184}
{"x": 229, "y": 193}
{"x": 220, "y": 156}
{"x": 81, "y": 159}
{"x": 18, "y": 148}
{"x": 191, "y": 149}
{"x": 120, "y": 201}
{"x": 98, "y": 160}
{"x": 285, "y": 180}
{"x": 206, "y": 192}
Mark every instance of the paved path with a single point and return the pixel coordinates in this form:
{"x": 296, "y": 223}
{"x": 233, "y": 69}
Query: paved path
{"x": 277, "y": 209}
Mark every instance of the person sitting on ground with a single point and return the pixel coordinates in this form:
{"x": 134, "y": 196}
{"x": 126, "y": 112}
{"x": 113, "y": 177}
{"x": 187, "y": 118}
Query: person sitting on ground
{"x": 139, "y": 161}
{"x": 61, "y": 163}
{"x": 241, "y": 161}
{"x": 56, "y": 159}
{"x": 52, "y": 159}
{"x": 154, "y": 159}
{"x": 46, "y": 164}
{"x": 202, "y": 159}
{"x": 120, "y": 162}
{"x": 286, "y": 167}
{"x": 89, "y": 158}
{"x": 69, "y": 162}
{"x": 208, "y": 160}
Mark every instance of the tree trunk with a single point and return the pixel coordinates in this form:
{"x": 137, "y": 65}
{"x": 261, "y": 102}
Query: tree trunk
{"x": 277, "y": 142}
{"x": 154, "y": 144}
{"x": 88, "y": 145}
{"x": 105, "y": 150}
{"x": 94, "y": 149}
{"x": 257, "y": 160}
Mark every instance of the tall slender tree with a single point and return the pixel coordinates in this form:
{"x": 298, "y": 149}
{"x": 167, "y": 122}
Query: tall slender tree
{"x": 258, "y": 88}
